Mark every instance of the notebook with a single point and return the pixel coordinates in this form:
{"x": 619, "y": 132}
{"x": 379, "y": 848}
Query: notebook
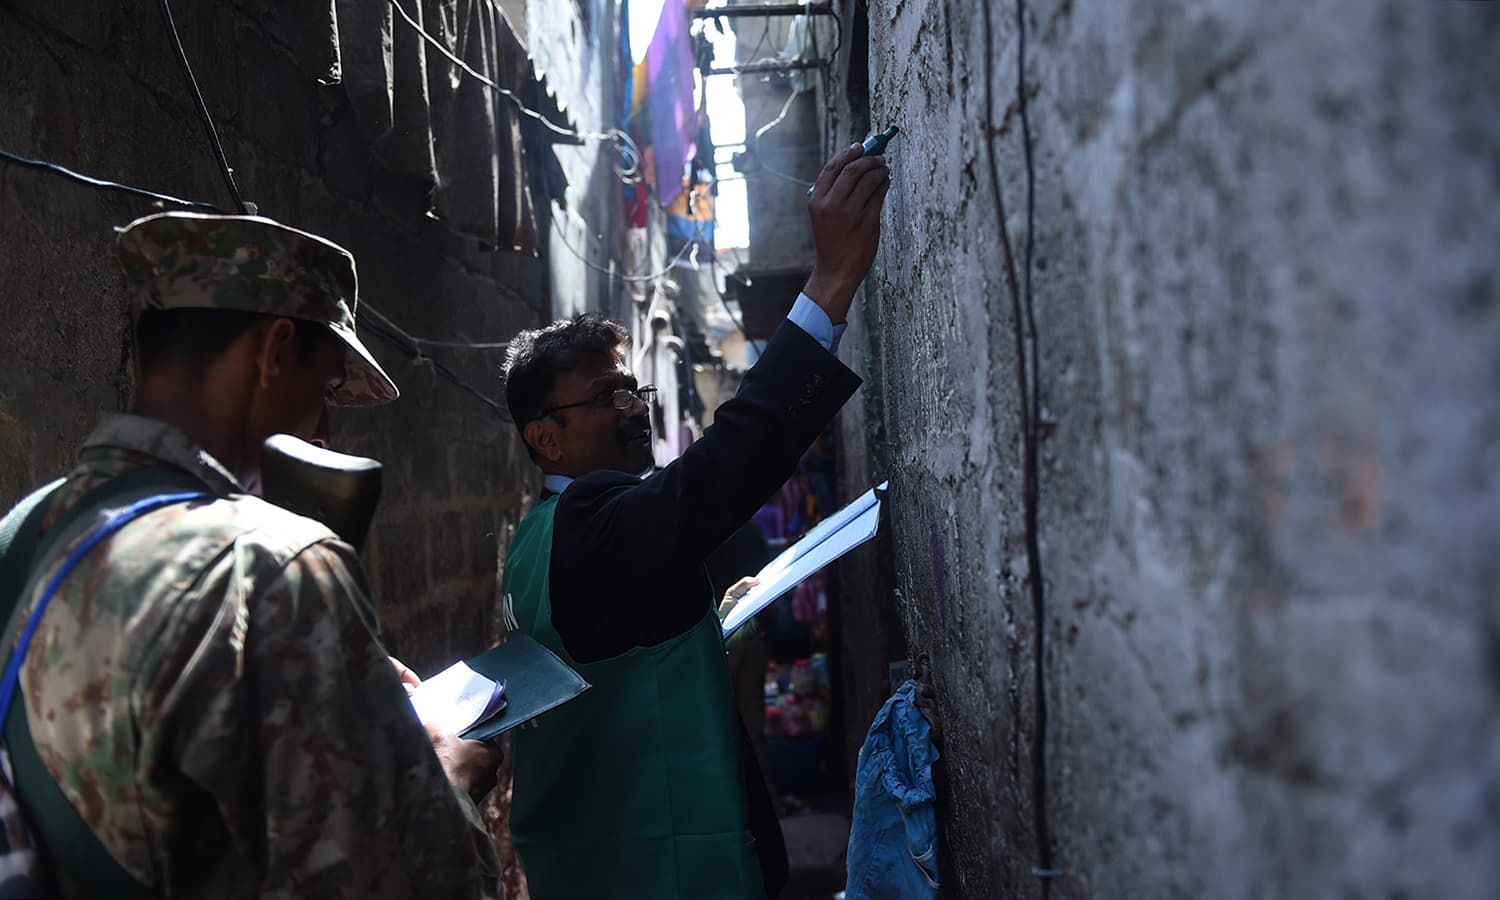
{"x": 497, "y": 690}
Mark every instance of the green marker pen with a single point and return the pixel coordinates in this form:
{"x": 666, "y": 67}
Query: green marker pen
{"x": 873, "y": 145}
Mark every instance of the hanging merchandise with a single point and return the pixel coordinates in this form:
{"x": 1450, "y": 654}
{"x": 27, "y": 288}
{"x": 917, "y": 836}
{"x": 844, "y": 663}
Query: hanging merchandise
{"x": 634, "y": 122}
{"x": 802, "y": 678}
{"x": 805, "y": 600}
{"x": 690, "y": 219}
{"x": 674, "y": 116}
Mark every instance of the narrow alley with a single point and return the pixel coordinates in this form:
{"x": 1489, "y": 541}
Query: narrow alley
{"x": 1173, "y": 398}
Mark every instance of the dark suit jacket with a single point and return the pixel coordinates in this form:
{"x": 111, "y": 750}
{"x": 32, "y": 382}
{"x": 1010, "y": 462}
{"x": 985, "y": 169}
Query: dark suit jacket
{"x": 628, "y": 554}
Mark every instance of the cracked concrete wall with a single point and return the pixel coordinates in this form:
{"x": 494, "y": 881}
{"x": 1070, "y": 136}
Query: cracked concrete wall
{"x": 1265, "y": 285}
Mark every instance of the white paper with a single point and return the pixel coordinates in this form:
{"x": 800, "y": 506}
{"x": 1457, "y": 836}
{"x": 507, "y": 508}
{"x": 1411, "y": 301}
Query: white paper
{"x": 826, "y": 542}
{"x": 456, "y": 698}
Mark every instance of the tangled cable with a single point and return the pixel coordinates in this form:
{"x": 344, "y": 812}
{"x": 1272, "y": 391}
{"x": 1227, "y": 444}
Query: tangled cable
{"x": 628, "y": 168}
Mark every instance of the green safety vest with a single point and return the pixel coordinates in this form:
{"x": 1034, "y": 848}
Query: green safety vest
{"x": 636, "y": 788}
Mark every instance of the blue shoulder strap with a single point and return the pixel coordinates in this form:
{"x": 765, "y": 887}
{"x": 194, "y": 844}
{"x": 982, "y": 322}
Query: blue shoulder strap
{"x": 66, "y": 838}
{"x": 113, "y": 520}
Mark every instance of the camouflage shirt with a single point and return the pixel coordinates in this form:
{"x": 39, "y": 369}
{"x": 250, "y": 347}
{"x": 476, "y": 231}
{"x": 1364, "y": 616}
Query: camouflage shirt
{"x": 208, "y": 690}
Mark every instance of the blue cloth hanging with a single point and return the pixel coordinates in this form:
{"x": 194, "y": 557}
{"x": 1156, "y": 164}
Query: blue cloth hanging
{"x": 893, "y": 839}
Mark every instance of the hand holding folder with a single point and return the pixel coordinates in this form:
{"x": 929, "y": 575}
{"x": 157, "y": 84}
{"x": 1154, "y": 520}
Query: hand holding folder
{"x": 497, "y": 690}
{"x": 826, "y": 542}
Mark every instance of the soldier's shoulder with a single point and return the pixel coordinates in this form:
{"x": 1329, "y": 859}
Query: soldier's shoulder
{"x": 243, "y": 519}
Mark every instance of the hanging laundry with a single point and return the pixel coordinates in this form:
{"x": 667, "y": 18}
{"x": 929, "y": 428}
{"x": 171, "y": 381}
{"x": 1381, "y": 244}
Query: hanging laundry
{"x": 636, "y": 121}
{"x": 690, "y": 219}
{"x": 674, "y": 116}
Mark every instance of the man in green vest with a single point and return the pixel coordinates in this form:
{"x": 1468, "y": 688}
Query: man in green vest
{"x": 637, "y": 789}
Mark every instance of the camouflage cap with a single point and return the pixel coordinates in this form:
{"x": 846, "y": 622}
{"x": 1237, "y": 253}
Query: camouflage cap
{"x": 178, "y": 260}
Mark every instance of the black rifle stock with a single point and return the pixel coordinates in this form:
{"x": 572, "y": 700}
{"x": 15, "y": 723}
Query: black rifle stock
{"x": 337, "y": 489}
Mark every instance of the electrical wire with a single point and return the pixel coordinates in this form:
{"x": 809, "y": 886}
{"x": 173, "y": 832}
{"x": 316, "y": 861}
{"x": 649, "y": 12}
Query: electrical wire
{"x": 384, "y": 327}
{"x": 208, "y": 122}
{"x": 713, "y": 277}
{"x": 1028, "y": 377}
{"x": 1044, "y": 869}
{"x": 103, "y": 185}
{"x": 838, "y": 26}
{"x": 759, "y": 345}
{"x": 462, "y": 345}
{"x": 812, "y": 33}
{"x": 687, "y": 248}
{"x": 754, "y": 144}
{"x": 628, "y": 170}
{"x": 765, "y": 32}
{"x": 392, "y": 334}
{"x": 830, "y": 112}
{"x": 429, "y": 342}
{"x": 780, "y": 117}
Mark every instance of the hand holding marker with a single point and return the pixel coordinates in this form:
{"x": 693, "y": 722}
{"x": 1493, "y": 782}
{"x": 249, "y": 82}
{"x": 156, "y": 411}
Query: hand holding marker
{"x": 873, "y": 145}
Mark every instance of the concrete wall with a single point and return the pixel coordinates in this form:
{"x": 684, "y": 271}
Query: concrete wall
{"x": 1265, "y": 284}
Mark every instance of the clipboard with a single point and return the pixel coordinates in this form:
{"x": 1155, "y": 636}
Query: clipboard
{"x": 827, "y": 541}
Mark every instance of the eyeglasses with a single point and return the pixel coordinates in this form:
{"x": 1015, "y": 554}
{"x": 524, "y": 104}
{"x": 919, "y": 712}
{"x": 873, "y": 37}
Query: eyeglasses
{"x": 621, "y": 399}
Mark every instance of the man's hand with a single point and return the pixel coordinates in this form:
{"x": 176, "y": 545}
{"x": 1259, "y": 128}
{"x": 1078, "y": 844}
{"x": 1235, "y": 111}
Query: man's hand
{"x": 845, "y": 210}
{"x": 472, "y": 766}
{"x": 408, "y": 678}
{"x": 733, "y": 596}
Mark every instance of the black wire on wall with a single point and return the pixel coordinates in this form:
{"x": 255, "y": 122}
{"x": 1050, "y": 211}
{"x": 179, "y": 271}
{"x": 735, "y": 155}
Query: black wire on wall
{"x": 381, "y": 326}
{"x": 1028, "y": 383}
{"x": 208, "y": 122}
{"x": 104, "y": 185}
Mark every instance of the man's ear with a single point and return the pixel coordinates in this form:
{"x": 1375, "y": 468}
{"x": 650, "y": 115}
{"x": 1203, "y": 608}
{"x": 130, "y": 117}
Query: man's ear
{"x": 541, "y": 436}
{"x": 273, "y": 343}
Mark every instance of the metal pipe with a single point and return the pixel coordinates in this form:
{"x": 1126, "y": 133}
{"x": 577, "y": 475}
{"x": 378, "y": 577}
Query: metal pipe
{"x": 824, "y": 8}
{"x": 766, "y": 68}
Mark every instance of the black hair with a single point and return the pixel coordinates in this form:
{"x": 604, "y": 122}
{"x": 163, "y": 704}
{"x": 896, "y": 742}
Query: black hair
{"x": 198, "y": 336}
{"x": 536, "y": 358}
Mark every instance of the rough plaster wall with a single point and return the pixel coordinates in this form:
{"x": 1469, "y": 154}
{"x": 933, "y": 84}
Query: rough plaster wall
{"x": 97, "y": 88}
{"x": 1266, "y": 287}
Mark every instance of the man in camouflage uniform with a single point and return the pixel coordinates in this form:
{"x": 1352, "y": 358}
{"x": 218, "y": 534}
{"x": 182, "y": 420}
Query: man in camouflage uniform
{"x": 206, "y": 686}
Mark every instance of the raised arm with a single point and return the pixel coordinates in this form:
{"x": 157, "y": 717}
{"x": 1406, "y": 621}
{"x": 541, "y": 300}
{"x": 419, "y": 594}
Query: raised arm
{"x": 629, "y": 553}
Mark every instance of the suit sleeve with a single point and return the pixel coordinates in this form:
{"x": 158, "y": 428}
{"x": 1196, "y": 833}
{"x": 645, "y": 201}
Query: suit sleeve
{"x": 628, "y": 556}
{"x": 287, "y": 711}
